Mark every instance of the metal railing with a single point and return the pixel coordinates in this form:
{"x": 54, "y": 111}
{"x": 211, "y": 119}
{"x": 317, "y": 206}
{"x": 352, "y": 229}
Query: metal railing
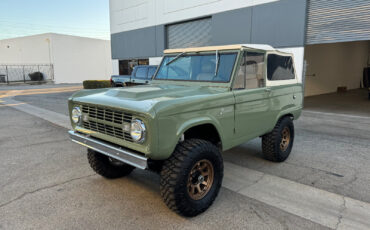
{"x": 21, "y": 73}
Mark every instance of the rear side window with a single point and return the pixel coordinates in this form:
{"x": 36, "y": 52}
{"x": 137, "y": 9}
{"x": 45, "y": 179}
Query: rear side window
{"x": 280, "y": 68}
{"x": 141, "y": 72}
{"x": 151, "y": 72}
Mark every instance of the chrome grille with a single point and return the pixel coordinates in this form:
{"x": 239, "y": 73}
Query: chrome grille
{"x": 116, "y": 118}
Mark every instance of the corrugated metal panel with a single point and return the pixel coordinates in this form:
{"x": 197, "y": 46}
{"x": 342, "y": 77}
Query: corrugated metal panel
{"x": 338, "y": 21}
{"x": 189, "y": 34}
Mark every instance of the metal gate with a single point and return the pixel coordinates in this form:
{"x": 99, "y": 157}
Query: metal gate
{"x": 21, "y": 73}
{"x": 190, "y": 34}
{"x": 332, "y": 21}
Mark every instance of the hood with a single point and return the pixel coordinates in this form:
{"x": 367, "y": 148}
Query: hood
{"x": 148, "y": 99}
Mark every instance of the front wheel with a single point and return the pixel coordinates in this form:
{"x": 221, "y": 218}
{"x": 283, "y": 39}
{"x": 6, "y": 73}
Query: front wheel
{"x": 191, "y": 178}
{"x": 277, "y": 145}
{"x": 106, "y": 166}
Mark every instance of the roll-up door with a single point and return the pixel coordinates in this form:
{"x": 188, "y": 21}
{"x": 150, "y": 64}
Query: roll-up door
{"x": 332, "y": 21}
{"x": 189, "y": 34}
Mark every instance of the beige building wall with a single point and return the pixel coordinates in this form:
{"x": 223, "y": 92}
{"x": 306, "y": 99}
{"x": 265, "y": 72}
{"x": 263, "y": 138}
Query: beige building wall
{"x": 330, "y": 66}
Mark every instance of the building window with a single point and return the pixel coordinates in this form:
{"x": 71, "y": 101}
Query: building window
{"x": 126, "y": 66}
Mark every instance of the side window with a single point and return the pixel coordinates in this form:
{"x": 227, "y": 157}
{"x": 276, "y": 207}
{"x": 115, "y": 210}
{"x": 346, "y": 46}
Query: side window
{"x": 141, "y": 72}
{"x": 250, "y": 73}
{"x": 279, "y": 68}
{"x": 151, "y": 72}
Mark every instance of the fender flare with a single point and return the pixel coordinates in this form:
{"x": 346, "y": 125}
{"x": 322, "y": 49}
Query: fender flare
{"x": 199, "y": 121}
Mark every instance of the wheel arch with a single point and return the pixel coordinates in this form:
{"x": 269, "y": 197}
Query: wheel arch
{"x": 197, "y": 128}
{"x": 293, "y": 114}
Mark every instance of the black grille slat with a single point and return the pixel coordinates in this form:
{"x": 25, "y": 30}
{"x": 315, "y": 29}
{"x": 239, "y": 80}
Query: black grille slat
{"x": 113, "y": 116}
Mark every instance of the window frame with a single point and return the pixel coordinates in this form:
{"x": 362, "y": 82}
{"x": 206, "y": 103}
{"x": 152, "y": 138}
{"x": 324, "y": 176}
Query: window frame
{"x": 231, "y": 78}
{"x": 239, "y": 66}
{"x": 146, "y": 72}
{"x": 270, "y": 83}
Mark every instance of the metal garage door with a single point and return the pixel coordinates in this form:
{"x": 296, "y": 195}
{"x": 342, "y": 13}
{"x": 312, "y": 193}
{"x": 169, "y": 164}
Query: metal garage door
{"x": 189, "y": 34}
{"x": 338, "y": 21}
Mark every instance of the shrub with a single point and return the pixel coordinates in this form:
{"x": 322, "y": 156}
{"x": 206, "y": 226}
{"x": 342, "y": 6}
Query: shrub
{"x": 96, "y": 84}
{"x": 36, "y": 76}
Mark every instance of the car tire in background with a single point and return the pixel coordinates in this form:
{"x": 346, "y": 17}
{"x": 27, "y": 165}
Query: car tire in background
{"x": 106, "y": 166}
{"x": 191, "y": 178}
{"x": 277, "y": 145}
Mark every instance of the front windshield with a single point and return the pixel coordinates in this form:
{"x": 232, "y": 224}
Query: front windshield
{"x": 215, "y": 67}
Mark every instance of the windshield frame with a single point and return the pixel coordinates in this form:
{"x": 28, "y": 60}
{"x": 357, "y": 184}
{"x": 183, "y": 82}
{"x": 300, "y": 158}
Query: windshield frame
{"x": 201, "y": 82}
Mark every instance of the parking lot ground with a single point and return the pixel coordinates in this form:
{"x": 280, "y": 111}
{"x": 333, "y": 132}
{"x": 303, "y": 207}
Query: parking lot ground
{"x": 46, "y": 183}
{"x": 331, "y": 153}
{"x": 353, "y": 102}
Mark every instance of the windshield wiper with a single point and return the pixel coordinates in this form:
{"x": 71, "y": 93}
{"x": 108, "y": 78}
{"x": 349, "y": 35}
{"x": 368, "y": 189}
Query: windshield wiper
{"x": 217, "y": 63}
{"x": 175, "y": 59}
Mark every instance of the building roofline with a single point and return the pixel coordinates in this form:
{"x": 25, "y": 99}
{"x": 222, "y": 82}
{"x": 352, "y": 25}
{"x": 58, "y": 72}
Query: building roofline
{"x": 49, "y": 35}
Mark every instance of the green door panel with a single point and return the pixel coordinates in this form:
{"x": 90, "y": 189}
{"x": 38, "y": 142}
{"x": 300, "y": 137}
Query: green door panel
{"x": 252, "y": 113}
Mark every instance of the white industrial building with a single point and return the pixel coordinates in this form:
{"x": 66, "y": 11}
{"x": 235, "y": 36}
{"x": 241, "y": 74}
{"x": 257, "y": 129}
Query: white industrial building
{"x": 61, "y": 58}
{"x": 329, "y": 38}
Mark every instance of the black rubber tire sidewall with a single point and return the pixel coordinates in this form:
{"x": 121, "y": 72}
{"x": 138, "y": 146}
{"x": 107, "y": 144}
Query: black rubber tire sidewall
{"x": 101, "y": 165}
{"x": 283, "y": 155}
{"x": 271, "y": 141}
{"x": 174, "y": 186}
{"x": 217, "y": 168}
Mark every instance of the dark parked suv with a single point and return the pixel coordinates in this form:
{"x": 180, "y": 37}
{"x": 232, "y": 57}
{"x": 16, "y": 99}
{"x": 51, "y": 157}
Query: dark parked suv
{"x": 141, "y": 74}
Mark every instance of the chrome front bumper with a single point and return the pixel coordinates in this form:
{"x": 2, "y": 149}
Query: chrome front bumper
{"x": 118, "y": 153}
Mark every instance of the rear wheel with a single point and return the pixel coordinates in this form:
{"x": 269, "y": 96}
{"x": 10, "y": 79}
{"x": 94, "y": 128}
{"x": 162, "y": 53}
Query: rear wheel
{"x": 277, "y": 145}
{"x": 106, "y": 166}
{"x": 191, "y": 178}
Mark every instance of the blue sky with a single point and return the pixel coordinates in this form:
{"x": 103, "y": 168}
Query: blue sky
{"x": 87, "y": 18}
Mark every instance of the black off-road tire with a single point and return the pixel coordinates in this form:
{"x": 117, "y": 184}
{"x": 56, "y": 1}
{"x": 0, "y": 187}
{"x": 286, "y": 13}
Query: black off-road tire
{"x": 175, "y": 173}
{"x": 102, "y": 165}
{"x": 271, "y": 141}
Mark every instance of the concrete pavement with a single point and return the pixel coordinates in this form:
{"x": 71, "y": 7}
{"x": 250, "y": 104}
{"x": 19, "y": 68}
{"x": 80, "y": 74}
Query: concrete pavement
{"x": 46, "y": 183}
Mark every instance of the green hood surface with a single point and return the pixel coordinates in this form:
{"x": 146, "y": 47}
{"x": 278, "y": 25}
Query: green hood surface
{"x": 151, "y": 99}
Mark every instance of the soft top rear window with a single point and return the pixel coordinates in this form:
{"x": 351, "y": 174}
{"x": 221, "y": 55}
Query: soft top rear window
{"x": 280, "y": 67}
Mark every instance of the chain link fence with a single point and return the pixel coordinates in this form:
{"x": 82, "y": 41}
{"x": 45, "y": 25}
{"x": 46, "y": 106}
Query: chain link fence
{"x": 26, "y": 73}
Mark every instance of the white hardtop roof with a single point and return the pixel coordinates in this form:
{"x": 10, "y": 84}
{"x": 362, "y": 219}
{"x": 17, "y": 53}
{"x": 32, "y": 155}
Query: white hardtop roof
{"x": 225, "y": 47}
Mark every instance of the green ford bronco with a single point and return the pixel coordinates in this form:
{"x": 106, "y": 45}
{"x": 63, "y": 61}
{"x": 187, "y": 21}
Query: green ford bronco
{"x": 202, "y": 101}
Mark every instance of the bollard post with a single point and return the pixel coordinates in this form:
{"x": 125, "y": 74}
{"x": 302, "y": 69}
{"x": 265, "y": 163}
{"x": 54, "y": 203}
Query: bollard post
{"x": 7, "y": 74}
{"x": 24, "y": 76}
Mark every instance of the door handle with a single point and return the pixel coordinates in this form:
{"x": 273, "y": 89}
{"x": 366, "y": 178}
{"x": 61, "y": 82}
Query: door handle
{"x": 268, "y": 90}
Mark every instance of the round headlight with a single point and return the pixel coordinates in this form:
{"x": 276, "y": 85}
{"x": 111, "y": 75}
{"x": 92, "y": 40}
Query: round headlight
{"x": 76, "y": 114}
{"x": 137, "y": 130}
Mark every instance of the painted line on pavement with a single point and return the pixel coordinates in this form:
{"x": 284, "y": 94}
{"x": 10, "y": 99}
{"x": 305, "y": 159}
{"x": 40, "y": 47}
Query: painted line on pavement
{"x": 53, "y": 117}
{"x": 12, "y": 104}
{"x": 328, "y": 209}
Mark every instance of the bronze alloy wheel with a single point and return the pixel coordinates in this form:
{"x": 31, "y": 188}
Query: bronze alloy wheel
{"x": 285, "y": 139}
{"x": 200, "y": 179}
